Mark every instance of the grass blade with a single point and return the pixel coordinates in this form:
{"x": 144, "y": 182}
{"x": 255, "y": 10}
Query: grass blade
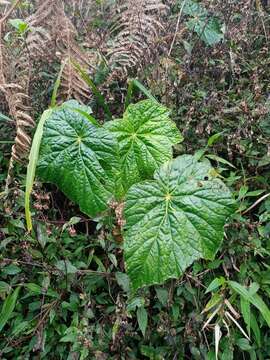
{"x": 89, "y": 117}
{"x": 219, "y": 159}
{"x": 5, "y": 118}
{"x": 57, "y": 84}
{"x": 31, "y": 168}
{"x": 143, "y": 89}
{"x": 129, "y": 93}
{"x": 8, "y": 307}
{"x": 245, "y": 310}
{"x": 91, "y": 84}
{"x": 254, "y": 299}
{"x": 229, "y": 316}
{"x": 255, "y": 328}
{"x": 218, "y": 335}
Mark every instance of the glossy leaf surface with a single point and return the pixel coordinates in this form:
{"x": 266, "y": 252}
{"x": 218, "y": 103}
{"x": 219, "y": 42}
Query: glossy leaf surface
{"x": 79, "y": 158}
{"x": 146, "y": 136}
{"x": 173, "y": 220}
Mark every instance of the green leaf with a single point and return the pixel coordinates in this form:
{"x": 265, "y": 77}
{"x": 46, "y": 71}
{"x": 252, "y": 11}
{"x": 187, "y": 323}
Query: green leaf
{"x": 57, "y": 83}
{"x": 20, "y": 25}
{"x": 122, "y": 280}
{"x": 254, "y": 288}
{"x": 188, "y": 47}
{"x": 72, "y": 337}
{"x": 66, "y": 266}
{"x": 129, "y": 93}
{"x": 255, "y": 328}
{"x": 253, "y": 298}
{"x": 192, "y": 8}
{"x": 175, "y": 311}
{"x": 36, "y": 289}
{"x": 214, "y": 138}
{"x": 245, "y": 310}
{"x": 4, "y": 287}
{"x": 90, "y": 118}
{"x": 215, "y": 284}
{"x": 73, "y": 221}
{"x": 242, "y": 192}
{"x": 142, "y": 318}
{"x": 162, "y": 295}
{"x": 42, "y": 235}
{"x": 11, "y": 269}
{"x": 8, "y": 307}
{"x": 20, "y": 327}
{"x": 265, "y": 160}
{"x": 207, "y": 27}
{"x": 113, "y": 259}
{"x": 84, "y": 110}
{"x": 140, "y": 86}
{"x": 100, "y": 98}
{"x": 146, "y": 136}
{"x": 244, "y": 344}
{"x": 174, "y": 220}
{"x": 214, "y": 301}
{"x": 3, "y": 117}
{"x": 135, "y": 303}
{"x": 75, "y": 105}
{"x": 219, "y": 159}
{"x": 79, "y": 158}
{"x": 31, "y": 168}
{"x": 151, "y": 353}
{"x": 254, "y": 193}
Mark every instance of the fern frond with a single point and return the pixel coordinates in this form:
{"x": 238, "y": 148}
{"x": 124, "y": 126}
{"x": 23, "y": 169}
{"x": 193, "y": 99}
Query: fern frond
{"x": 53, "y": 37}
{"x": 80, "y": 12}
{"x": 40, "y": 44}
{"x": 137, "y": 26}
{"x": 18, "y": 103}
{"x": 72, "y": 85}
{"x": 19, "y": 111}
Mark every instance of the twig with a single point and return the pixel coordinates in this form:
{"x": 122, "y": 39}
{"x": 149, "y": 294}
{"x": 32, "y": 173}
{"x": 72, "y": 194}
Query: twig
{"x": 4, "y": 18}
{"x": 94, "y": 272}
{"x": 256, "y": 203}
{"x": 176, "y": 28}
{"x": 3, "y": 83}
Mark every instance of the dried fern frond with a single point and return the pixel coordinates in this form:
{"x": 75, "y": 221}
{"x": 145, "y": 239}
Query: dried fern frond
{"x": 137, "y": 26}
{"x": 53, "y": 39}
{"x": 19, "y": 110}
{"x": 40, "y": 42}
{"x": 17, "y": 101}
{"x": 72, "y": 85}
{"x": 80, "y": 12}
{"x": 15, "y": 92}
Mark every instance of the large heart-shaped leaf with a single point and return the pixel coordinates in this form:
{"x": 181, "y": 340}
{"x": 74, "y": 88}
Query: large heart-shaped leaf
{"x": 146, "y": 136}
{"x": 173, "y": 220}
{"x": 79, "y": 158}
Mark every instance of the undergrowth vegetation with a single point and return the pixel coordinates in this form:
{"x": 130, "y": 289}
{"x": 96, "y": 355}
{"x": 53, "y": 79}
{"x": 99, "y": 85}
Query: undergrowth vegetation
{"x": 148, "y": 123}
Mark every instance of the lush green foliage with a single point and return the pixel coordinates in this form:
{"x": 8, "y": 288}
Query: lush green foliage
{"x": 174, "y": 220}
{"x": 171, "y": 221}
{"x": 64, "y": 291}
{"x": 145, "y": 136}
{"x": 207, "y": 27}
{"x": 78, "y": 157}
